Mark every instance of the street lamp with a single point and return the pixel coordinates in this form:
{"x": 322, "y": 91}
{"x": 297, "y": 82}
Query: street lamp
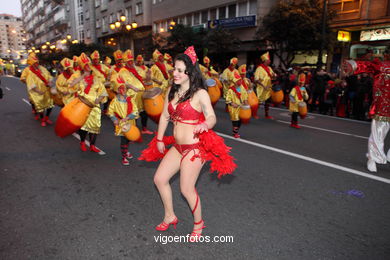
{"x": 69, "y": 36}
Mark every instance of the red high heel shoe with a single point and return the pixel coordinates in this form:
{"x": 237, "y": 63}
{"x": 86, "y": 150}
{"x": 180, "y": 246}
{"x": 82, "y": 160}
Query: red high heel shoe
{"x": 194, "y": 237}
{"x": 164, "y": 226}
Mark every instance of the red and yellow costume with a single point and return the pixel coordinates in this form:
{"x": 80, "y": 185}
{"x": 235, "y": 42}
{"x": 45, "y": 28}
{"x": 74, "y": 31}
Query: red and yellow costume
{"x": 227, "y": 75}
{"x": 120, "y": 109}
{"x": 66, "y": 92}
{"x": 91, "y": 88}
{"x": 131, "y": 76}
{"x": 101, "y": 71}
{"x": 264, "y": 74}
{"x": 237, "y": 95}
{"x": 160, "y": 73}
{"x": 207, "y": 71}
{"x": 37, "y": 77}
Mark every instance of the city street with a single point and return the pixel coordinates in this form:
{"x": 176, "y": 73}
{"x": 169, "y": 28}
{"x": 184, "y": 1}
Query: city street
{"x": 296, "y": 194}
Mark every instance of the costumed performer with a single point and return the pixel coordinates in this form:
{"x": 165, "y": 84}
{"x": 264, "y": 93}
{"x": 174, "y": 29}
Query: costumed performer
{"x": 189, "y": 107}
{"x": 122, "y": 113}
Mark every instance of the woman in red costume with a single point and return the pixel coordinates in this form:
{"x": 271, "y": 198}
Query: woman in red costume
{"x": 189, "y": 108}
{"x": 380, "y": 108}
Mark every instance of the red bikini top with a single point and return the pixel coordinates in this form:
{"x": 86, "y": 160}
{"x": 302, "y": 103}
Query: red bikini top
{"x": 184, "y": 112}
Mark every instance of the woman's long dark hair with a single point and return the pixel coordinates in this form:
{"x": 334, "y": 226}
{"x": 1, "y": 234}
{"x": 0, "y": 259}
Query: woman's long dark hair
{"x": 195, "y": 76}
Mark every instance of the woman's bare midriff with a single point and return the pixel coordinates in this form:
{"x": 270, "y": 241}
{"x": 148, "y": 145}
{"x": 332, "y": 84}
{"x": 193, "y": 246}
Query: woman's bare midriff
{"x": 184, "y": 133}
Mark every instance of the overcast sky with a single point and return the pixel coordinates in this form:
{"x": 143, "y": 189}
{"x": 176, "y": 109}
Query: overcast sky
{"x": 10, "y": 7}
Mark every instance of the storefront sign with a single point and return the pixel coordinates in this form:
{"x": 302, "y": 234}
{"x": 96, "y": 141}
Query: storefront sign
{"x": 375, "y": 35}
{"x": 237, "y": 22}
{"x": 343, "y": 36}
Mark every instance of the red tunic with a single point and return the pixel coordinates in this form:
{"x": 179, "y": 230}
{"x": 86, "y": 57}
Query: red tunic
{"x": 381, "y": 86}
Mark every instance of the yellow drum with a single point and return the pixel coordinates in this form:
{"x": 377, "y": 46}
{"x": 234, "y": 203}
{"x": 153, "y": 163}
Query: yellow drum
{"x": 302, "y": 109}
{"x": 73, "y": 116}
{"x": 245, "y": 114}
{"x": 219, "y": 84}
{"x": 253, "y": 101}
{"x": 153, "y": 103}
{"x": 132, "y": 133}
{"x": 213, "y": 90}
{"x": 57, "y": 99}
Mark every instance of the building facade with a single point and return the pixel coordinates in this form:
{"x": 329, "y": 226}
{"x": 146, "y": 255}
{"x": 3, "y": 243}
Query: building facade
{"x": 12, "y": 37}
{"x": 362, "y": 27}
{"x": 240, "y": 17}
{"x": 45, "y": 22}
{"x": 121, "y": 24}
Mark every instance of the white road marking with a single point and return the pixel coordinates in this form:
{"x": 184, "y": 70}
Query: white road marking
{"x": 75, "y": 135}
{"x": 313, "y": 160}
{"x": 88, "y": 144}
{"x": 330, "y": 117}
{"x": 7, "y": 88}
{"x": 326, "y": 130}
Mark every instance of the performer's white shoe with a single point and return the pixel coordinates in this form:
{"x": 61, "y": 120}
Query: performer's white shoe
{"x": 371, "y": 166}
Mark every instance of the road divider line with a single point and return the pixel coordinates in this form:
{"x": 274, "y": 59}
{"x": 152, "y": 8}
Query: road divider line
{"x": 309, "y": 159}
{"x": 330, "y": 117}
{"x": 88, "y": 144}
{"x": 326, "y": 130}
{"x": 7, "y": 88}
{"x": 75, "y": 135}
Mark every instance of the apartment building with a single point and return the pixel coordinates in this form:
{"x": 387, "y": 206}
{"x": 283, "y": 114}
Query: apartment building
{"x": 12, "y": 37}
{"x": 45, "y": 21}
{"x": 240, "y": 17}
{"x": 121, "y": 24}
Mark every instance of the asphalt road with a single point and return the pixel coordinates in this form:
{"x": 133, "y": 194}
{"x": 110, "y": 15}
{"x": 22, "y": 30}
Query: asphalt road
{"x": 296, "y": 194}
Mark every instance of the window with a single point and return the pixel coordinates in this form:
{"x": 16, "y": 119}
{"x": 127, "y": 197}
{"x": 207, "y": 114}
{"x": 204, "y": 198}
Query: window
{"x": 81, "y": 18}
{"x": 97, "y": 23}
{"x": 222, "y": 12}
{"x": 79, "y": 3}
{"x": 189, "y": 19}
{"x": 213, "y": 14}
{"x": 138, "y": 8}
{"x": 204, "y": 16}
{"x": 97, "y": 3}
{"x": 196, "y": 18}
{"x": 86, "y": 14}
{"x": 81, "y": 35}
{"x": 252, "y": 7}
{"x": 242, "y": 9}
{"x": 128, "y": 14}
{"x": 104, "y": 22}
{"x": 232, "y": 11}
{"x": 88, "y": 33}
{"x": 111, "y": 20}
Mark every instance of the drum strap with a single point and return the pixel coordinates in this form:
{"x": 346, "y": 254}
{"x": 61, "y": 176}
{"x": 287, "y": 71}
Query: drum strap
{"x": 99, "y": 68}
{"x": 89, "y": 81}
{"x": 38, "y": 73}
{"x": 135, "y": 73}
{"x": 266, "y": 68}
{"x": 244, "y": 83}
{"x": 162, "y": 69}
{"x": 66, "y": 74}
{"x": 129, "y": 108}
{"x": 299, "y": 93}
{"x": 236, "y": 92}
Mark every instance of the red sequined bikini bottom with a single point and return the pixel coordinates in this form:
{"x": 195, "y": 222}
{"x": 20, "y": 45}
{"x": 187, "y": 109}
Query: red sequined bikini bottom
{"x": 185, "y": 149}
